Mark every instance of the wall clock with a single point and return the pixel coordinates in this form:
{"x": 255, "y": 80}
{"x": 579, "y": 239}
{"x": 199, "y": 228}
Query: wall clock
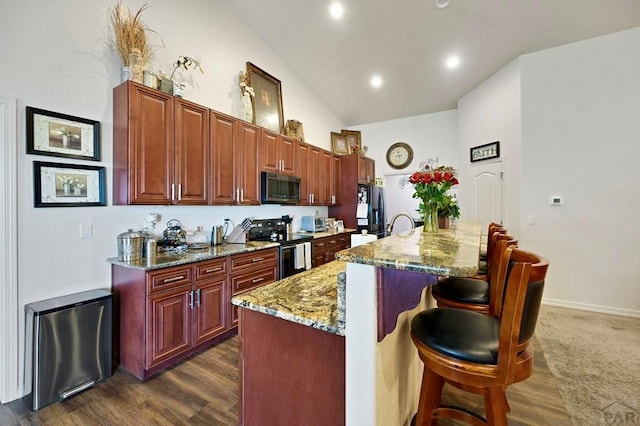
{"x": 399, "y": 155}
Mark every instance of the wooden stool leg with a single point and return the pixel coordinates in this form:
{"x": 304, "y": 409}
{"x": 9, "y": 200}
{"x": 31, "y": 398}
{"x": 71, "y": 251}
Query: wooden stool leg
{"x": 430, "y": 396}
{"x": 496, "y": 406}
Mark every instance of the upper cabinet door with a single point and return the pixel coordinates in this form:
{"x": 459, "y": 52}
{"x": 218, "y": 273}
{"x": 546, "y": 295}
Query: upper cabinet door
{"x": 269, "y": 156}
{"x": 143, "y": 145}
{"x": 288, "y": 155}
{"x": 246, "y": 159}
{"x": 192, "y": 159}
{"x": 223, "y": 181}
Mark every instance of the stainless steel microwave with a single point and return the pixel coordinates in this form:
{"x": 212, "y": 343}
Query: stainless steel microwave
{"x": 279, "y": 189}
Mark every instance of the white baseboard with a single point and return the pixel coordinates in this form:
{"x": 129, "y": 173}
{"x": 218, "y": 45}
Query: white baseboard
{"x": 592, "y": 308}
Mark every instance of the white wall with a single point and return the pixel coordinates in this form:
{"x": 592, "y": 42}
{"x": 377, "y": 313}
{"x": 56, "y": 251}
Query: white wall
{"x": 491, "y": 112}
{"x": 54, "y": 56}
{"x": 580, "y": 140}
{"x": 430, "y": 136}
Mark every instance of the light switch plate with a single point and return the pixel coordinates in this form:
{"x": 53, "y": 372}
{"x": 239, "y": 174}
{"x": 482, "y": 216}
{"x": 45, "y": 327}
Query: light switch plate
{"x": 85, "y": 230}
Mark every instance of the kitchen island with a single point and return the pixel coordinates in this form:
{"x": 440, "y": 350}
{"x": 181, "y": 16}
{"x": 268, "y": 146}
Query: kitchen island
{"x": 353, "y": 370}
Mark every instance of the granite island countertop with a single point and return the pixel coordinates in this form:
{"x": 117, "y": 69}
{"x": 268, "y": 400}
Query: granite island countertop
{"x": 453, "y": 251}
{"x": 316, "y": 297}
{"x": 310, "y": 298}
{"x": 165, "y": 260}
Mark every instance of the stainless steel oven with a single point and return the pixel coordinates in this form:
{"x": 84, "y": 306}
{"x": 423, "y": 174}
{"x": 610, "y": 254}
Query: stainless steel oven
{"x": 295, "y": 249}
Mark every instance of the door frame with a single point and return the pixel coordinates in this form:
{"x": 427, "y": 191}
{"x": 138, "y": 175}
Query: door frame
{"x": 10, "y": 387}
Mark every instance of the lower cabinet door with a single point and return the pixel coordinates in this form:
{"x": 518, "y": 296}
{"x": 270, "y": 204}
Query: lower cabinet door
{"x": 169, "y": 325}
{"x": 210, "y": 310}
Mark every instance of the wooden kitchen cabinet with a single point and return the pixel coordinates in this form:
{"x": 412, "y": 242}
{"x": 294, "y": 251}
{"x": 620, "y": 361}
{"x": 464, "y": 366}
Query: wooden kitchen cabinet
{"x": 277, "y": 153}
{"x": 160, "y": 146}
{"x": 324, "y": 249}
{"x": 302, "y": 171}
{"x": 313, "y": 177}
{"x": 248, "y": 271}
{"x": 235, "y": 177}
{"x": 329, "y": 185}
{"x": 164, "y": 315}
{"x": 366, "y": 170}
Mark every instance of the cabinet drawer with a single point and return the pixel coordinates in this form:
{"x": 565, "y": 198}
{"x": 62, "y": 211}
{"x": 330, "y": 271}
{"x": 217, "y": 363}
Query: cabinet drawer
{"x": 167, "y": 278}
{"x": 252, "y": 279}
{"x": 211, "y": 268}
{"x": 254, "y": 259}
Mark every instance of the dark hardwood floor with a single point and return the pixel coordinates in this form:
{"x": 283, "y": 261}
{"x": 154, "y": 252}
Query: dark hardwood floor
{"x": 204, "y": 391}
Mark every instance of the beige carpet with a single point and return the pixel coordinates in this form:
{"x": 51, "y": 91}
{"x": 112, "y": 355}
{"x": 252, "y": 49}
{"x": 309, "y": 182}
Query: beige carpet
{"x": 595, "y": 359}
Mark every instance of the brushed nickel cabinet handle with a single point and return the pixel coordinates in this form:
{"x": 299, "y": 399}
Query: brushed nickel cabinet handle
{"x": 208, "y": 271}
{"x": 257, "y": 280}
{"x": 170, "y": 280}
{"x": 258, "y": 259}
{"x": 198, "y": 297}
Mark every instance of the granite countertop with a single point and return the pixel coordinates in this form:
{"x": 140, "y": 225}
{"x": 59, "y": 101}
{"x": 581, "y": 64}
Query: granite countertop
{"x": 316, "y": 298}
{"x": 310, "y": 298}
{"x": 327, "y": 233}
{"x": 166, "y": 260}
{"x": 452, "y": 251}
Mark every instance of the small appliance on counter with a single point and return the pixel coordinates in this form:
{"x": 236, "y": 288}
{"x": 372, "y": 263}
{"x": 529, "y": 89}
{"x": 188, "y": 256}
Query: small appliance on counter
{"x": 313, "y": 224}
{"x": 174, "y": 238}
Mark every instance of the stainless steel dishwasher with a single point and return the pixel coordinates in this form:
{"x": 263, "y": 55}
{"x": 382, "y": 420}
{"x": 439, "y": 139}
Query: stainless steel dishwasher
{"x": 68, "y": 345}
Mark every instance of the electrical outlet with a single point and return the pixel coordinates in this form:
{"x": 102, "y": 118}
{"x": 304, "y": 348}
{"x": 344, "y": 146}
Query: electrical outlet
{"x": 85, "y": 230}
{"x": 531, "y": 220}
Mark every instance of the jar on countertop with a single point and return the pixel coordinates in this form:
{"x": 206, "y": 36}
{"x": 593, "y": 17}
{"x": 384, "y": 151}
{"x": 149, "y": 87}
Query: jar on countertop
{"x": 130, "y": 246}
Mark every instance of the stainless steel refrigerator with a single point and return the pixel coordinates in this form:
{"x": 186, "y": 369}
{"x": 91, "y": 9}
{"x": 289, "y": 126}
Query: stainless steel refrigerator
{"x": 370, "y": 212}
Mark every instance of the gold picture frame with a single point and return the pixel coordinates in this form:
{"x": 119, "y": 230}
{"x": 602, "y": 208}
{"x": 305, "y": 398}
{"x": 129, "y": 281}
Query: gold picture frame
{"x": 267, "y": 102}
{"x": 354, "y": 140}
{"x": 339, "y": 144}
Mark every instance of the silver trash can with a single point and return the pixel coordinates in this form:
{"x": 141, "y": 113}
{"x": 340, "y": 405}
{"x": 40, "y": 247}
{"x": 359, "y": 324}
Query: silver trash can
{"x": 68, "y": 345}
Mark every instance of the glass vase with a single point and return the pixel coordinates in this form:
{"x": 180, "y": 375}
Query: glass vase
{"x": 430, "y": 219}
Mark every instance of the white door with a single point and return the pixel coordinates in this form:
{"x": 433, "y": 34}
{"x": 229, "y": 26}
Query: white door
{"x": 488, "y": 181}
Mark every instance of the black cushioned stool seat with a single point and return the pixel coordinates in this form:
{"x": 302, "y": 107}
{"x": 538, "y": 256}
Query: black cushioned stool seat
{"x": 463, "y": 289}
{"x": 459, "y": 333}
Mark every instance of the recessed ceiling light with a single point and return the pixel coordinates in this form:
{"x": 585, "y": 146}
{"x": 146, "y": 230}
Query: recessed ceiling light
{"x": 441, "y": 4}
{"x": 376, "y": 81}
{"x": 336, "y": 10}
{"x": 453, "y": 62}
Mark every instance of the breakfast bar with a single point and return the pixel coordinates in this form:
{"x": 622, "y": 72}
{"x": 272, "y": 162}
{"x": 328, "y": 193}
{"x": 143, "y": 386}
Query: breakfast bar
{"x": 334, "y": 341}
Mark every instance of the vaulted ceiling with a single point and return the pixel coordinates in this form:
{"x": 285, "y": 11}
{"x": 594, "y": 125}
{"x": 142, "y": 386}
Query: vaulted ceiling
{"x": 407, "y": 42}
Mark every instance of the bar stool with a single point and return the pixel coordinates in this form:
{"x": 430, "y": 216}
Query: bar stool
{"x": 479, "y": 353}
{"x": 483, "y": 263}
{"x": 476, "y": 293}
{"x": 492, "y": 226}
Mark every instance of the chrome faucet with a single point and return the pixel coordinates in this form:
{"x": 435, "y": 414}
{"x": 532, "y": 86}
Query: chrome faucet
{"x": 396, "y": 216}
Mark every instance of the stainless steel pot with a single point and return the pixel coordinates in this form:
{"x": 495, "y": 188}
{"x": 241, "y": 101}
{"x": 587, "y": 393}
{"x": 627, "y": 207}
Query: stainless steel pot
{"x": 130, "y": 246}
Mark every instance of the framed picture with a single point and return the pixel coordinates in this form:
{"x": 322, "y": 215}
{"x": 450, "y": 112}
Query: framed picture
{"x": 339, "y": 143}
{"x": 353, "y": 140}
{"x": 61, "y": 135}
{"x": 485, "y": 152}
{"x": 267, "y": 102}
{"x": 68, "y": 185}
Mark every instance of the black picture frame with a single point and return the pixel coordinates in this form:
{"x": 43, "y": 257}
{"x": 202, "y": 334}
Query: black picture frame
{"x": 68, "y": 185}
{"x": 267, "y": 101}
{"x": 62, "y": 135}
{"x": 485, "y": 152}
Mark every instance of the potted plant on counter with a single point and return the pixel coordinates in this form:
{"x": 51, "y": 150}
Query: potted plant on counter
{"x": 448, "y": 208}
